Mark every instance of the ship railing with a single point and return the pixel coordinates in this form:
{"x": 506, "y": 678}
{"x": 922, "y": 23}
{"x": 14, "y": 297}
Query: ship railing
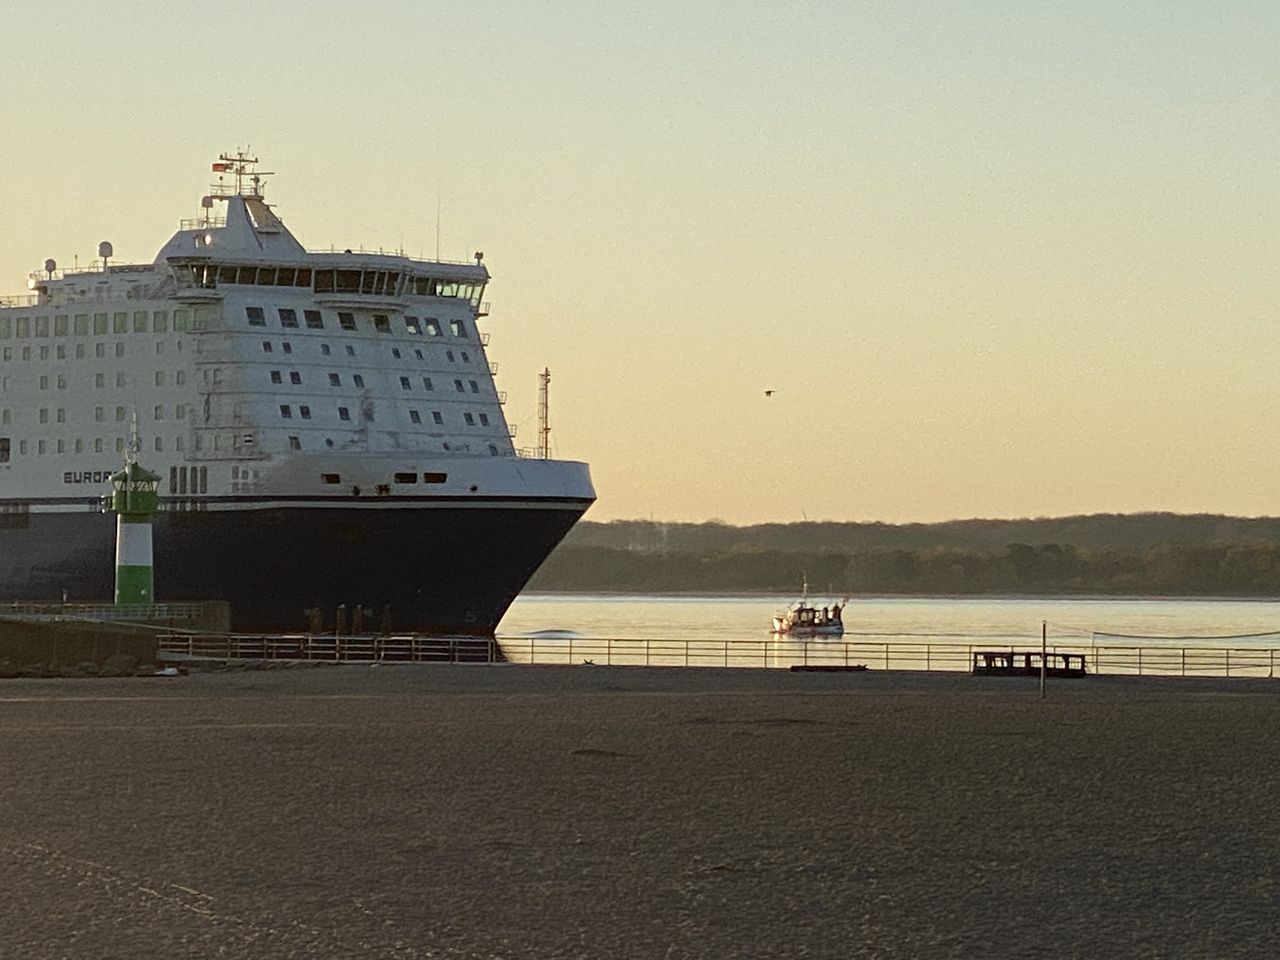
{"x": 380, "y": 252}
{"x": 484, "y": 339}
{"x": 27, "y": 300}
{"x": 783, "y": 653}
{"x": 134, "y": 612}
{"x": 329, "y": 648}
{"x": 202, "y": 223}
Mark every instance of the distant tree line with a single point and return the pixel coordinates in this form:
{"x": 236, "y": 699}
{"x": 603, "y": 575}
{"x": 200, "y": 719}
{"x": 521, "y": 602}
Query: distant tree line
{"x": 1210, "y": 556}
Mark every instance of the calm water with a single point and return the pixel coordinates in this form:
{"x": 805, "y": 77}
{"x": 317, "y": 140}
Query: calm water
{"x": 1230, "y": 638}
{"x": 720, "y": 618}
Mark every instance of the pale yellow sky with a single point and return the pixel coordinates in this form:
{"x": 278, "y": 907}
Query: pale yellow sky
{"x": 995, "y": 262}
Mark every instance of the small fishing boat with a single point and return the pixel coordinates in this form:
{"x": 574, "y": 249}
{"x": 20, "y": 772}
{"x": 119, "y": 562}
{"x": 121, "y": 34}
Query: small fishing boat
{"x": 804, "y": 619}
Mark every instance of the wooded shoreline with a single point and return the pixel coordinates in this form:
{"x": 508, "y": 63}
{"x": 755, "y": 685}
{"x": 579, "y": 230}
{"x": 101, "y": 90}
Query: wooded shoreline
{"x": 1104, "y": 556}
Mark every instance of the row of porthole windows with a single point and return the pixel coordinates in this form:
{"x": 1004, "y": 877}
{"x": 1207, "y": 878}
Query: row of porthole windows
{"x": 80, "y": 352}
{"x": 81, "y": 324}
{"x": 357, "y": 380}
{"x": 415, "y": 416}
{"x": 59, "y": 414}
{"x": 81, "y": 445}
{"x": 314, "y": 320}
{"x": 59, "y": 381}
{"x": 268, "y": 346}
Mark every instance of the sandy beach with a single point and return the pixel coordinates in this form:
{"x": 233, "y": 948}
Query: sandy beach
{"x": 480, "y": 811}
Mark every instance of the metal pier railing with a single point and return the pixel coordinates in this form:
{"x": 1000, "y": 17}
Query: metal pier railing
{"x": 407, "y": 648}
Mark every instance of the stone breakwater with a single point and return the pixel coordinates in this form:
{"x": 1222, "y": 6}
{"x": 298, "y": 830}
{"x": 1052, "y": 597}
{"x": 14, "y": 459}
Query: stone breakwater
{"x": 499, "y": 811}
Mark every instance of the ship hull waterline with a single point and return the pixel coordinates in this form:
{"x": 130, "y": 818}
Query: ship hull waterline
{"x": 443, "y": 570}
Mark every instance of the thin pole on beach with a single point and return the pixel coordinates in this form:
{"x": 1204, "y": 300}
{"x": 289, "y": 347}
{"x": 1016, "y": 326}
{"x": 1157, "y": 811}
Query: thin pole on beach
{"x": 1044, "y": 653}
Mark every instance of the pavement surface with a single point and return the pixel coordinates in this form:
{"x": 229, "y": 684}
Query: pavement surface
{"x": 421, "y": 811}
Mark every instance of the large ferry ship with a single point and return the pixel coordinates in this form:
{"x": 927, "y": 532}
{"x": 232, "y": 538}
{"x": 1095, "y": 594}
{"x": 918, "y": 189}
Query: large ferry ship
{"x": 326, "y": 426}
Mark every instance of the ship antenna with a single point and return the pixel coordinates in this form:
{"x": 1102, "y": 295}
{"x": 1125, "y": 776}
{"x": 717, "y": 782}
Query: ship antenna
{"x": 544, "y": 413}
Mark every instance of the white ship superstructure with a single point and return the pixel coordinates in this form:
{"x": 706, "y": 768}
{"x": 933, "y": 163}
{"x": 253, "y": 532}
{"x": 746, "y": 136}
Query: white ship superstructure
{"x": 325, "y": 396}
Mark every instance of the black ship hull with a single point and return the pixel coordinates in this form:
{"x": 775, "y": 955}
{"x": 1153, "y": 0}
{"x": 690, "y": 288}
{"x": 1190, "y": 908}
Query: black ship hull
{"x": 443, "y": 570}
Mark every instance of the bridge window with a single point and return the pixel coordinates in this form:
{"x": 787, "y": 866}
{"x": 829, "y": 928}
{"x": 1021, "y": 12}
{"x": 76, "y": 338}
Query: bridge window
{"x": 457, "y": 328}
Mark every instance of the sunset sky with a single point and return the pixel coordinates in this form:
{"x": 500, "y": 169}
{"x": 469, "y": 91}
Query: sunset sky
{"x": 996, "y": 259}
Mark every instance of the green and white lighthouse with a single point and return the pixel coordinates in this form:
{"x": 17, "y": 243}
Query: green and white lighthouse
{"x": 133, "y": 500}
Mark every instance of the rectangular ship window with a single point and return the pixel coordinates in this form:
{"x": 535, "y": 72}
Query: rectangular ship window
{"x": 4, "y": 449}
{"x": 347, "y": 321}
{"x": 255, "y": 316}
{"x": 411, "y": 324}
{"x": 434, "y": 477}
{"x": 288, "y": 318}
{"x": 406, "y": 478}
{"x": 381, "y": 323}
{"x": 432, "y": 326}
{"x": 314, "y": 319}
{"x": 344, "y": 413}
{"x": 330, "y": 478}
